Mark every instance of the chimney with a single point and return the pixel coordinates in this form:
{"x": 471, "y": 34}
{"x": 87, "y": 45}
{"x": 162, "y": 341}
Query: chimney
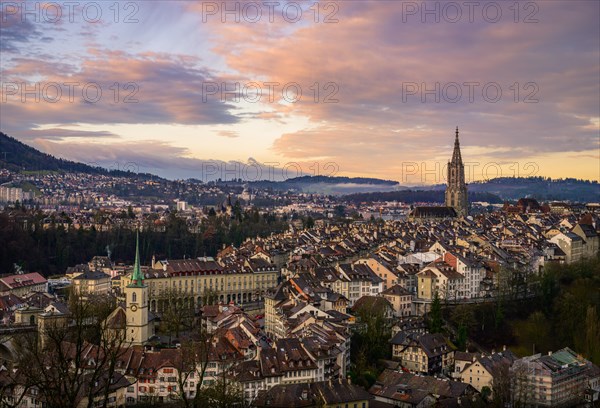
{"x": 504, "y": 348}
{"x": 153, "y": 261}
{"x": 549, "y": 353}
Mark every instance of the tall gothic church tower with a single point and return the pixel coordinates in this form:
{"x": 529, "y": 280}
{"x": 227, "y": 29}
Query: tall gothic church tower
{"x": 136, "y": 301}
{"x": 456, "y": 192}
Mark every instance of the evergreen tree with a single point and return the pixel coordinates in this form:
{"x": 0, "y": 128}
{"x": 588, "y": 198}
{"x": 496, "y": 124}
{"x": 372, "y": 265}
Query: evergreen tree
{"x": 435, "y": 315}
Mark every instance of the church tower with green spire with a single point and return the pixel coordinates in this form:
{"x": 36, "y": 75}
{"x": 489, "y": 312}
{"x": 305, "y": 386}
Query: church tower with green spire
{"x": 136, "y": 301}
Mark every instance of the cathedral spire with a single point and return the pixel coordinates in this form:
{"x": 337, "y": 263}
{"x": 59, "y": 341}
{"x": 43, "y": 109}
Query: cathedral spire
{"x": 456, "y": 156}
{"x": 137, "y": 278}
{"x": 456, "y": 192}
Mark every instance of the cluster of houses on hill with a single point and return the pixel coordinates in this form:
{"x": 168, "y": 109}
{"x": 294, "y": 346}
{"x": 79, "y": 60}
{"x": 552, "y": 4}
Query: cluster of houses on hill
{"x": 280, "y": 311}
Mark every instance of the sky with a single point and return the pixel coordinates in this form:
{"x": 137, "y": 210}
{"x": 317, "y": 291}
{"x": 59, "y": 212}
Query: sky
{"x": 272, "y": 89}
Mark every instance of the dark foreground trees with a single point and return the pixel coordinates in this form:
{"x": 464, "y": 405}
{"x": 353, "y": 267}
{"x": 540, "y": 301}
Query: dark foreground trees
{"x": 564, "y": 311}
{"x": 51, "y": 248}
{"x": 72, "y": 358}
{"x": 369, "y": 344}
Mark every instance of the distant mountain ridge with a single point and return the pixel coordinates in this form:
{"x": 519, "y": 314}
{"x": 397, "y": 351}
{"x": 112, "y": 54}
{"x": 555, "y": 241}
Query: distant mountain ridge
{"x": 502, "y": 188}
{"x": 334, "y": 185}
{"x": 17, "y": 156}
{"x": 540, "y": 188}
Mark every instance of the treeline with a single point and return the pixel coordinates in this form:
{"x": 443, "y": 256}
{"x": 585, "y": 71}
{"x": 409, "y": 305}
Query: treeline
{"x": 51, "y": 250}
{"x": 305, "y": 182}
{"x": 541, "y": 188}
{"x": 417, "y": 196}
{"x": 564, "y": 313}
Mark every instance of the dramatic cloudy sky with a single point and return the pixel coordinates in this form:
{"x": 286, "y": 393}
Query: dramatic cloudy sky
{"x": 380, "y": 83}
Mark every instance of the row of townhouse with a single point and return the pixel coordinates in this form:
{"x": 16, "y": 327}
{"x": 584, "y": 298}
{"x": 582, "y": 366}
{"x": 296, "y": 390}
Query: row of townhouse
{"x": 195, "y": 280}
{"x": 314, "y": 347}
{"x": 424, "y": 353}
{"x": 292, "y": 361}
{"x": 298, "y": 296}
{"x": 481, "y": 369}
{"x": 407, "y": 390}
{"x": 362, "y": 281}
{"x": 324, "y": 394}
{"x": 581, "y": 242}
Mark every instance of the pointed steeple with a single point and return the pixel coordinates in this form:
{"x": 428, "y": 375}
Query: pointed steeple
{"x": 137, "y": 278}
{"x": 456, "y": 192}
{"x": 456, "y": 157}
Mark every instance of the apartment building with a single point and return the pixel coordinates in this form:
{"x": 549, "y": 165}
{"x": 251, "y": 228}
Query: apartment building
{"x": 552, "y": 380}
{"x": 195, "y": 280}
{"x": 23, "y": 284}
{"x": 422, "y": 353}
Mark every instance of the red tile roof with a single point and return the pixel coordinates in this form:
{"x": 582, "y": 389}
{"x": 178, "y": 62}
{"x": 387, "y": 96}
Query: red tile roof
{"x": 19, "y": 281}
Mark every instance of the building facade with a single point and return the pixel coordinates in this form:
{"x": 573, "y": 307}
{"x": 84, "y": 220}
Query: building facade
{"x": 552, "y": 380}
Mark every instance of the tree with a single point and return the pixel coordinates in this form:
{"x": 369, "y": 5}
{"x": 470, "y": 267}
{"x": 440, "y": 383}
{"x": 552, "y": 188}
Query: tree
{"x": 223, "y": 393}
{"x": 435, "y": 321}
{"x": 369, "y": 344}
{"x": 194, "y": 354}
{"x": 462, "y": 337}
{"x": 499, "y": 313}
{"x": 71, "y": 354}
{"x": 589, "y": 343}
{"x": 176, "y": 312}
{"x": 339, "y": 211}
{"x": 192, "y": 364}
{"x": 534, "y": 333}
{"x": 463, "y": 315}
{"x": 486, "y": 392}
{"x": 310, "y": 222}
{"x": 501, "y": 386}
{"x": 130, "y": 213}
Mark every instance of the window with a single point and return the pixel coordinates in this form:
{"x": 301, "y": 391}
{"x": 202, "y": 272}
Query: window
{"x": 133, "y": 297}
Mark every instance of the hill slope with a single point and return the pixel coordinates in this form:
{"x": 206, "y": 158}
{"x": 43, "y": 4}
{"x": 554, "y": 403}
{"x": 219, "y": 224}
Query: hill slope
{"x": 17, "y": 156}
{"x": 328, "y": 185}
{"x": 541, "y": 188}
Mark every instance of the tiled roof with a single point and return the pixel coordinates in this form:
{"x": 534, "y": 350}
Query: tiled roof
{"x": 26, "y": 279}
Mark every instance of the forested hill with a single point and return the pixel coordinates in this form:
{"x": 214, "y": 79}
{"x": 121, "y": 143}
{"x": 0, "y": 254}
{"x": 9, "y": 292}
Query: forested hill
{"x": 417, "y": 196}
{"x": 540, "y": 188}
{"x": 328, "y": 184}
{"x": 17, "y": 156}
{"x": 497, "y": 190}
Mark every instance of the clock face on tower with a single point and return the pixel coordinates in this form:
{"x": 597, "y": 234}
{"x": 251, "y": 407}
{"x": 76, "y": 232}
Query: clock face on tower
{"x": 133, "y": 308}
